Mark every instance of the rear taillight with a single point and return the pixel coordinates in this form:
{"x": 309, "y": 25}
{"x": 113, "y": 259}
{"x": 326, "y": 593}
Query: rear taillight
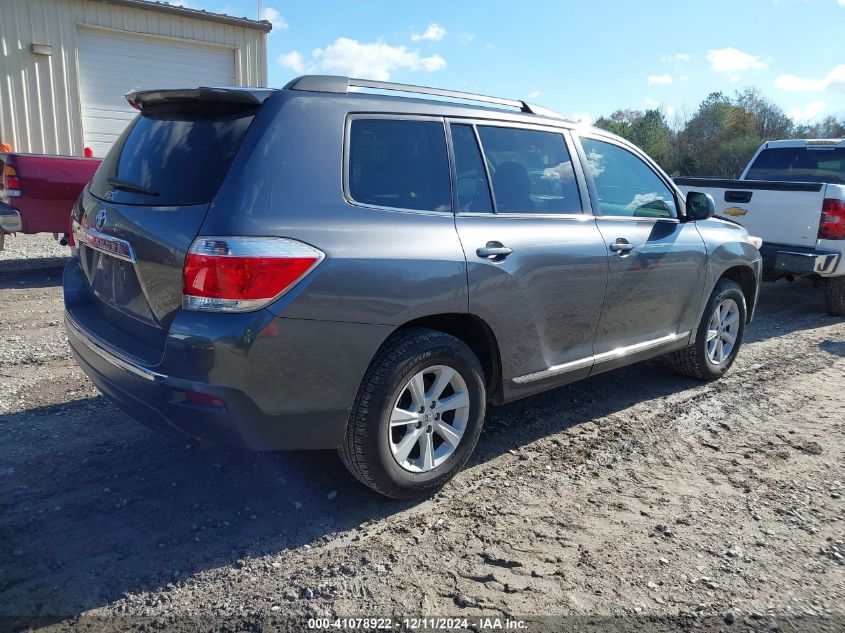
{"x": 832, "y": 225}
{"x": 238, "y": 274}
{"x": 11, "y": 182}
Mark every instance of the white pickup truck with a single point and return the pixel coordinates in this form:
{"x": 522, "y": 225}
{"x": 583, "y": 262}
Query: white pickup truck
{"x": 792, "y": 195}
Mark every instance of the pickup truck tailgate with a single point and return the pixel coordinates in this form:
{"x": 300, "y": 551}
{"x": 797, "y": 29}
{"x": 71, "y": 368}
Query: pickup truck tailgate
{"x": 778, "y": 212}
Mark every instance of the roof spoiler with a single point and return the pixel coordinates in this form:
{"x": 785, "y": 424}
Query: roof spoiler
{"x": 250, "y": 96}
{"x": 341, "y": 85}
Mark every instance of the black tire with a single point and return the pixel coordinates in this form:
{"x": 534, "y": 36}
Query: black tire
{"x": 366, "y": 449}
{"x": 834, "y": 295}
{"x": 693, "y": 360}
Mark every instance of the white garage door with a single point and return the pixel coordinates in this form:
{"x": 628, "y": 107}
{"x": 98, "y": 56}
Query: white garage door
{"x": 112, "y": 64}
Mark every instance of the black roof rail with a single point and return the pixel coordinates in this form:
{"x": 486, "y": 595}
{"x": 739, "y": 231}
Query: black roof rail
{"x": 341, "y": 85}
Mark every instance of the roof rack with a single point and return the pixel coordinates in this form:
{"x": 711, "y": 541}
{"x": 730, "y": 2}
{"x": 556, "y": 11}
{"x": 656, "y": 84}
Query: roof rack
{"x": 341, "y": 85}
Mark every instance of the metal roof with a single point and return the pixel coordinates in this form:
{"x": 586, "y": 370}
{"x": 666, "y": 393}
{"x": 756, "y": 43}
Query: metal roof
{"x": 198, "y": 14}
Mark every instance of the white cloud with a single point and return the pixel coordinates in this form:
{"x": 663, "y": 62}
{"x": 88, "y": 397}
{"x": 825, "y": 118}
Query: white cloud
{"x": 841, "y": 3}
{"x": 466, "y": 38}
{"x": 665, "y": 78}
{"x": 434, "y": 33}
{"x": 651, "y": 103}
{"x": 670, "y": 112}
{"x": 293, "y": 61}
{"x": 180, "y": 3}
{"x": 683, "y": 78}
{"x": 731, "y": 60}
{"x": 533, "y": 94}
{"x": 582, "y": 117}
{"x": 274, "y": 17}
{"x": 808, "y": 113}
{"x": 350, "y": 57}
{"x": 734, "y": 78}
{"x": 835, "y": 80}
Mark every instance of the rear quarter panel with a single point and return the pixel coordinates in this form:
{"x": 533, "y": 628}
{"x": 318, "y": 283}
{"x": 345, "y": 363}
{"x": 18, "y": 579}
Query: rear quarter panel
{"x": 384, "y": 267}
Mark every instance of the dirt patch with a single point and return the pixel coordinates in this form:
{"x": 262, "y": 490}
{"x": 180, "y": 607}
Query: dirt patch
{"x": 637, "y": 496}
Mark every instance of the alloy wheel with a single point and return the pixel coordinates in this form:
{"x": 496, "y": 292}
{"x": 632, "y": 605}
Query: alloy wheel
{"x": 722, "y": 331}
{"x": 429, "y": 418}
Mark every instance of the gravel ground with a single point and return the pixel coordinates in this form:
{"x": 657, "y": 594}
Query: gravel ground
{"x": 635, "y": 499}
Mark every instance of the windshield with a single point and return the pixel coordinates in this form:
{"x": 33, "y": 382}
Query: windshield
{"x": 174, "y": 154}
{"x": 800, "y": 164}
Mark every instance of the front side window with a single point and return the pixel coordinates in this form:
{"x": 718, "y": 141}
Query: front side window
{"x": 626, "y": 185}
{"x": 531, "y": 171}
{"x": 399, "y": 163}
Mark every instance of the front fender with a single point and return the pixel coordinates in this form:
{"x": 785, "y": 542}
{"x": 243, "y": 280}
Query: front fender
{"x": 730, "y": 252}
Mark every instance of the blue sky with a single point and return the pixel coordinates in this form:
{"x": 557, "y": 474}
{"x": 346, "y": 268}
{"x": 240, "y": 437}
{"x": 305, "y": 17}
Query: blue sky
{"x": 582, "y": 58}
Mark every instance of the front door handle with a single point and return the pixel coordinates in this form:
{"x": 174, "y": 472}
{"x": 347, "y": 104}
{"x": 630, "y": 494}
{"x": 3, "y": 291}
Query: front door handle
{"x": 621, "y": 247}
{"x": 494, "y": 250}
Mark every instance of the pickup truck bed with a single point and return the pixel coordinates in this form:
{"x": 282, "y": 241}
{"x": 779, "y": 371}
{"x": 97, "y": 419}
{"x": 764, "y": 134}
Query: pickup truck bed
{"x": 38, "y": 191}
{"x": 786, "y": 214}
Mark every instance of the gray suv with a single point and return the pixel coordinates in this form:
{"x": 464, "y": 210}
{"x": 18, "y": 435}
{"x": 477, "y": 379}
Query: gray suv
{"x": 327, "y": 266}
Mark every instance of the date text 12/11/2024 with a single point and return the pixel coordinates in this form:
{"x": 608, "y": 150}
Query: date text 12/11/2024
{"x": 418, "y": 624}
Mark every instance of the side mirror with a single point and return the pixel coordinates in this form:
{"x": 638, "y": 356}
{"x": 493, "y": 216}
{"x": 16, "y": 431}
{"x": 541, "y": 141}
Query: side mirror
{"x": 700, "y": 206}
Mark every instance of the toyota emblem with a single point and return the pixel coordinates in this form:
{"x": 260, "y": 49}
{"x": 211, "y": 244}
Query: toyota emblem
{"x": 100, "y": 220}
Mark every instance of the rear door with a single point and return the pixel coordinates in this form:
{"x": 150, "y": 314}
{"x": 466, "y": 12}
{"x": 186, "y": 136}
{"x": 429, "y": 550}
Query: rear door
{"x": 536, "y": 263}
{"x": 657, "y": 262}
{"x": 146, "y": 205}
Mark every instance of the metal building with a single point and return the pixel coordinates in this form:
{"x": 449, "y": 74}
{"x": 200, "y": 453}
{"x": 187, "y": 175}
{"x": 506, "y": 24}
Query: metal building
{"x": 66, "y": 64}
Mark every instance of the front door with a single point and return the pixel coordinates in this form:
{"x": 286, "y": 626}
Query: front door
{"x": 657, "y": 261}
{"x": 536, "y": 263}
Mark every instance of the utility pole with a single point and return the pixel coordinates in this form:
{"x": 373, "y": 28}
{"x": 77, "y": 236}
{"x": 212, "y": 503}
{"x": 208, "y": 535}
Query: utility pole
{"x": 260, "y": 8}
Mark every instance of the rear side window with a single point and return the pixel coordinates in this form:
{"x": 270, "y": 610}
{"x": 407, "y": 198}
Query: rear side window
{"x": 531, "y": 171}
{"x": 174, "y": 154}
{"x": 626, "y": 185}
{"x": 473, "y": 190}
{"x": 800, "y": 164}
{"x": 399, "y": 163}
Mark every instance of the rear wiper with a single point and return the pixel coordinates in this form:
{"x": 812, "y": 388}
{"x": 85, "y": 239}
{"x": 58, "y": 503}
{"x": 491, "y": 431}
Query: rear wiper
{"x": 130, "y": 186}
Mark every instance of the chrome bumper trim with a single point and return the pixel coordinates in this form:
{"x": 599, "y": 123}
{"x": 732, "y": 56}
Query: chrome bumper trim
{"x": 10, "y": 221}
{"x": 104, "y": 351}
{"x": 619, "y": 352}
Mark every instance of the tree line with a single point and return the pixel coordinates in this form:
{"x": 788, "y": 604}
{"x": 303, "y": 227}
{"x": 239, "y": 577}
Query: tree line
{"x": 719, "y": 139}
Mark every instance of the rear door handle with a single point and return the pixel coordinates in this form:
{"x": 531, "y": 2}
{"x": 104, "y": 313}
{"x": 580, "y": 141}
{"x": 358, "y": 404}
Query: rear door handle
{"x": 621, "y": 247}
{"x": 494, "y": 250}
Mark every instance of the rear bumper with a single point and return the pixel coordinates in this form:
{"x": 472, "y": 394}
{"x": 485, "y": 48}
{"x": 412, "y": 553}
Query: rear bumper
{"x": 285, "y": 383}
{"x": 159, "y": 401}
{"x": 10, "y": 219}
{"x": 781, "y": 260}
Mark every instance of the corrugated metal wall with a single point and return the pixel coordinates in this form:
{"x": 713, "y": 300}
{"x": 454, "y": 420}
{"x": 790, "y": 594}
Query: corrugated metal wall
{"x": 40, "y": 108}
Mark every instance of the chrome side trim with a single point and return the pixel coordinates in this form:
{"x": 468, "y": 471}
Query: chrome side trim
{"x": 108, "y": 244}
{"x": 604, "y": 357}
{"x": 104, "y": 351}
{"x": 555, "y": 370}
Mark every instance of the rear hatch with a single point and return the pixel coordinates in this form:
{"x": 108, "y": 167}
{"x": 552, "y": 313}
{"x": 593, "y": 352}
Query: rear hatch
{"x": 147, "y": 202}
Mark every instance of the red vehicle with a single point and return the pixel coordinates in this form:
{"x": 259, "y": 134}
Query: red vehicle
{"x": 37, "y": 192}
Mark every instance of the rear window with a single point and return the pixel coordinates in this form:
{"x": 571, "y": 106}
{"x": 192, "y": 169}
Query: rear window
{"x": 399, "y": 163}
{"x": 800, "y": 164}
{"x": 174, "y": 154}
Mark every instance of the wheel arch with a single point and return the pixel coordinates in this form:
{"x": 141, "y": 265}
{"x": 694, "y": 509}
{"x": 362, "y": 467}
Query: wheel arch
{"x": 478, "y": 335}
{"x": 746, "y": 279}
